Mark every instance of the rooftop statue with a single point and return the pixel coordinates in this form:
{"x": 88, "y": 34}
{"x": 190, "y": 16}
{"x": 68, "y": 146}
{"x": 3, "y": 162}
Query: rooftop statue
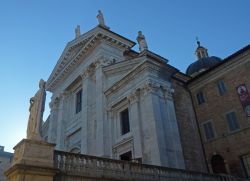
{"x": 100, "y": 18}
{"x": 37, "y": 104}
{"x": 142, "y": 42}
{"x": 77, "y": 31}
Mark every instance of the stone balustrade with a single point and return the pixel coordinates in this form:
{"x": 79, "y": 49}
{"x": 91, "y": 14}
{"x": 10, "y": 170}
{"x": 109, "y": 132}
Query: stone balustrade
{"x": 85, "y": 167}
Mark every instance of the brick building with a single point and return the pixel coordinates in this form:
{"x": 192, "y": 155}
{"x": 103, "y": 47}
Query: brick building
{"x": 219, "y": 90}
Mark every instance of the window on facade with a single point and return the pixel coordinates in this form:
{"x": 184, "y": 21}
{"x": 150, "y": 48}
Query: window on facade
{"x": 200, "y": 97}
{"x": 126, "y": 156}
{"x": 246, "y": 163}
{"x": 124, "y": 116}
{"x": 78, "y": 101}
{"x": 232, "y": 121}
{"x": 208, "y": 130}
{"x": 221, "y": 87}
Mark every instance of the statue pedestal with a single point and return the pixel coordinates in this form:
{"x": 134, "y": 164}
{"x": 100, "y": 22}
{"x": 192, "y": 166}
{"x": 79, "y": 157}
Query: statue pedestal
{"x": 32, "y": 161}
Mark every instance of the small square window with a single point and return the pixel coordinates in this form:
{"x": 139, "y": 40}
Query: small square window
{"x": 232, "y": 121}
{"x": 208, "y": 130}
{"x": 78, "y": 101}
{"x": 124, "y": 116}
{"x": 221, "y": 87}
{"x": 200, "y": 97}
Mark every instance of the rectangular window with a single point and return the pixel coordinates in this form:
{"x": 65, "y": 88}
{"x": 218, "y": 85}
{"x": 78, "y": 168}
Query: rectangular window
{"x": 126, "y": 156}
{"x": 124, "y": 116}
{"x": 246, "y": 163}
{"x": 78, "y": 101}
{"x": 200, "y": 98}
{"x": 232, "y": 121}
{"x": 208, "y": 130}
{"x": 221, "y": 87}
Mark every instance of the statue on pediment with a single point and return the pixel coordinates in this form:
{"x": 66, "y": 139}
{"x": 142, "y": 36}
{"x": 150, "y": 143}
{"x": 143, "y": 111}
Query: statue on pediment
{"x": 36, "y": 109}
{"x": 77, "y": 31}
{"x": 142, "y": 41}
{"x": 100, "y": 19}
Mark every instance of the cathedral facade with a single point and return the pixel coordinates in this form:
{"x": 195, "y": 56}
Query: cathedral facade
{"x": 111, "y": 101}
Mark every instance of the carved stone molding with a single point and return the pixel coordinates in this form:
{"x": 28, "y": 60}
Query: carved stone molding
{"x": 54, "y": 103}
{"x": 150, "y": 87}
{"x": 154, "y": 87}
{"x": 101, "y": 61}
{"x": 134, "y": 96}
{"x": 105, "y": 60}
{"x": 167, "y": 92}
{"x": 89, "y": 70}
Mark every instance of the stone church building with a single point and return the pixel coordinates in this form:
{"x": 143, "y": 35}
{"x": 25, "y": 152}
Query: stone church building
{"x": 111, "y": 101}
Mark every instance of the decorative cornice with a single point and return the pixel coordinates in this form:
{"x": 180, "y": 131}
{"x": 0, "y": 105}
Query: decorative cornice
{"x": 148, "y": 65}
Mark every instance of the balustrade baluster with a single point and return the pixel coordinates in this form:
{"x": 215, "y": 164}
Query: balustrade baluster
{"x": 82, "y": 165}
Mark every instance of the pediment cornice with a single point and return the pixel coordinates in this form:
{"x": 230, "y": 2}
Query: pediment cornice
{"x": 146, "y": 65}
{"x": 76, "y": 51}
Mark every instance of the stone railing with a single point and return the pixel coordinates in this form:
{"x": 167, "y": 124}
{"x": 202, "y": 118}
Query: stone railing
{"x": 84, "y": 167}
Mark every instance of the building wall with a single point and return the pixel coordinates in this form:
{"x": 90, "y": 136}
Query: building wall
{"x": 230, "y": 145}
{"x": 190, "y": 137}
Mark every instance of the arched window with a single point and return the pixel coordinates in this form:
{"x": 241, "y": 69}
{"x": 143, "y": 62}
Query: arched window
{"x": 218, "y": 164}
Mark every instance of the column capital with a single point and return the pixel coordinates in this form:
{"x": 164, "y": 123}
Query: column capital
{"x": 150, "y": 87}
{"x": 89, "y": 70}
{"x": 54, "y": 103}
{"x": 105, "y": 60}
{"x": 133, "y": 97}
{"x": 168, "y": 92}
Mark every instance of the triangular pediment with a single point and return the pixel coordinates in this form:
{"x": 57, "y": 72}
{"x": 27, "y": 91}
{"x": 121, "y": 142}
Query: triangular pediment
{"x": 75, "y": 51}
{"x": 117, "y": 71}
{"x": 145, "y": 61}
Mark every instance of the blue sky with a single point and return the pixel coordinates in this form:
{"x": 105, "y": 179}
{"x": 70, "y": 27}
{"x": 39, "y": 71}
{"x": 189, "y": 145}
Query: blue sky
{"x": 34, "y": 33}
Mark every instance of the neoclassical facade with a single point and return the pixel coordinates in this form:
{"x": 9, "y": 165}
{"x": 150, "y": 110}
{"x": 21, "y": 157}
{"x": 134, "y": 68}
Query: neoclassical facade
{"x": 111, "y": 101}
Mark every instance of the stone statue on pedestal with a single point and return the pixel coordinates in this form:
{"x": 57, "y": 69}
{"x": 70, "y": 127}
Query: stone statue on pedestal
{"x": 142, "y": 41}
{"x": 37, "y": 104}
{"x": 100, "y": 18}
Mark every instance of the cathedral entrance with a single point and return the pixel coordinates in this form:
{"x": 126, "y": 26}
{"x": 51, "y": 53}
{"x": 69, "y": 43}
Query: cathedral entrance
{"x": 218, "y": 164}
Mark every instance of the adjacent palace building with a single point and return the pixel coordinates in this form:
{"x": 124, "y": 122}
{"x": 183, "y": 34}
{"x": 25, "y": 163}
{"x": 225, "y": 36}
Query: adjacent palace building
{"x": 111, "y": 101}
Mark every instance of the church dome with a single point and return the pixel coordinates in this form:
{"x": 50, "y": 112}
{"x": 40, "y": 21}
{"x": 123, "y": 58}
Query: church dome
{"x": 203, "y": 63}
